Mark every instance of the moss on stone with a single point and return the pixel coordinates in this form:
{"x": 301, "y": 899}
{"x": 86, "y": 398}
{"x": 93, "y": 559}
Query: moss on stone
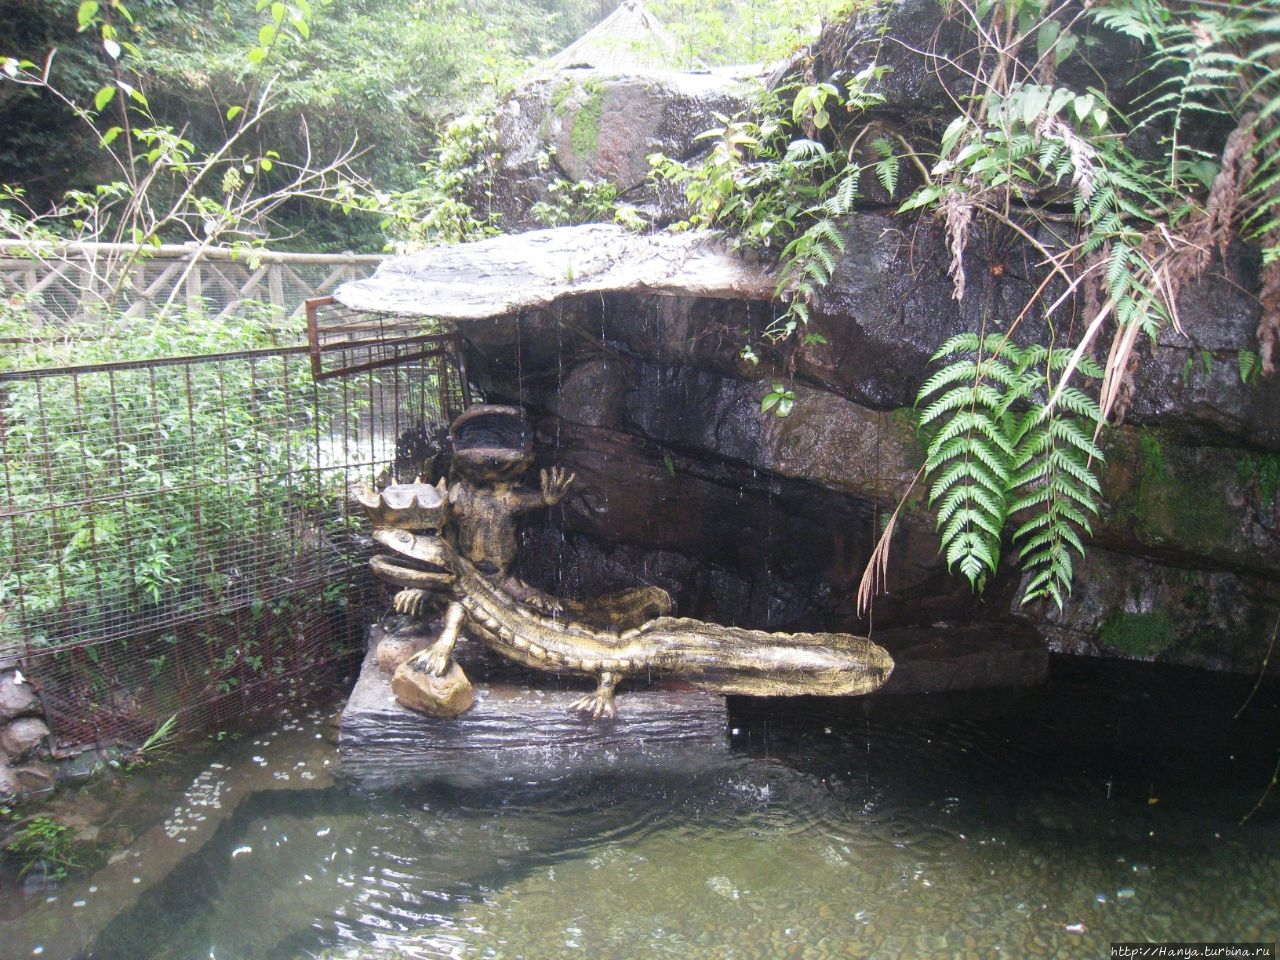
{"x": 1177, "y": 504}
{"x": 585, "y": 135}
{"x": 1139, "y": 634}
{"x": 561, "y": 94}
{"x": 906, "y": 424}
{"x": 1261, "y": 471}
{"x": 1152, "y": 451}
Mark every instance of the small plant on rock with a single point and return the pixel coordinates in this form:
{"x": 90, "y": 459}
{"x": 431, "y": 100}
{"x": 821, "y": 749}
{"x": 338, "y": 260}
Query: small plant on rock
{"x": 43, "y": 841}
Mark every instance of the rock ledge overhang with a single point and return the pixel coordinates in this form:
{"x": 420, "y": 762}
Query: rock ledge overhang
{"x": 505, "y": 274}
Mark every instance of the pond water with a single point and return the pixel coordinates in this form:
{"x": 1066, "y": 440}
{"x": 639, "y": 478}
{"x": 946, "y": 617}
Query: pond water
{"x": 1104, "y": 806}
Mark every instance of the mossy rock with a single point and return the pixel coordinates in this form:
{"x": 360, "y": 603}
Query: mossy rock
{"x": 1139, "y": 634}
{"x": 1209, "y": 506}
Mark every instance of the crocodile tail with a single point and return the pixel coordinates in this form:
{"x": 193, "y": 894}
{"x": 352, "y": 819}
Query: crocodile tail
{"x": 732, "y": 660}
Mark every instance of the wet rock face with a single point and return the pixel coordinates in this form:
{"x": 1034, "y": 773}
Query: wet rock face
{"x": 889, "y": 306}
{"x": 23, "y": 740}
{"x": 20, "y": 738}
{"x": 16, "y": 699}
{"x": 745, "y": 519}
{"x": 752, "y": 520}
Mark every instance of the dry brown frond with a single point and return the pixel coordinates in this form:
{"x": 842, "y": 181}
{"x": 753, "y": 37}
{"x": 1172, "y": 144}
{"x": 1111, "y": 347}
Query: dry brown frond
{"x": 1083, "y": 156}
{"x": 876, "y": 572}
{"x": 957, "y": 212}
{"x": 1092, "y": 280}
{"x": 1213, "y": 226}
{"x": 1269, "y": 322}
{"x": 1239, "y": 163}
{"x": 1117, "y": 371}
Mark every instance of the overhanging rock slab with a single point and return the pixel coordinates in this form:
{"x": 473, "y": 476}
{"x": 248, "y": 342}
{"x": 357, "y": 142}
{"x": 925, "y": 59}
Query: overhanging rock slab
{"x": 505, "y": 274}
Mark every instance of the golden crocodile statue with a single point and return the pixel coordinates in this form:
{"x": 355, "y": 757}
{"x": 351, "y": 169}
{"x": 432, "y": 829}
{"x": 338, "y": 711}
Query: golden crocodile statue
{"x": 429, "y": 528}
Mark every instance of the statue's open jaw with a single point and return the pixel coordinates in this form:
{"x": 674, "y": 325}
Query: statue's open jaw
{"x": 419, "y": 561}
{"x": 491, "y": 444}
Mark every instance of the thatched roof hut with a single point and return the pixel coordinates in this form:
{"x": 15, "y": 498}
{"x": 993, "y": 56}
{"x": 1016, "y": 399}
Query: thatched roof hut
{"x": 628, "y": 40}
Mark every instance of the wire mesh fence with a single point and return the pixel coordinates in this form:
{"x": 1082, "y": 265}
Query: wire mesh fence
{"x": 176, "y": 534}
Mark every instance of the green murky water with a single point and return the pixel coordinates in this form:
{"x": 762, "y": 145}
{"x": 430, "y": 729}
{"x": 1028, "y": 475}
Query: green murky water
{"x": 1105, "y": 806}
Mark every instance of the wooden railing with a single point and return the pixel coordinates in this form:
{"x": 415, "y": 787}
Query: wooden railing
{"x": 78, "y": 282}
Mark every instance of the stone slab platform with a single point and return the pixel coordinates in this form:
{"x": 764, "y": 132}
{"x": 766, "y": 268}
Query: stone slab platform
{"x": 521, "y": 728}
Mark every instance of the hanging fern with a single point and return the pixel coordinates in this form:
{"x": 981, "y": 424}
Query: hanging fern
{"x": 998, "y": 452}
{"x": 1054, "y": 483}
{"x": 969, "y": 459}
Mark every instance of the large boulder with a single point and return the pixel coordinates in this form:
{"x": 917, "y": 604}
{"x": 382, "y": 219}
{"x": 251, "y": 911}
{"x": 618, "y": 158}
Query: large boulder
{"x": 593, "y": 125}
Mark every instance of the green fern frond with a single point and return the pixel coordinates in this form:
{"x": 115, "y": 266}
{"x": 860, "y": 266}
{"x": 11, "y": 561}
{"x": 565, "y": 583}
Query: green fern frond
{"x": 1068, "y": 512}
{"x": 968, "y": 518}
{"x": 966, "y": 469}
{"x": 1069, "y": 534}
{"x": 818, "y": 269}
{"x": 1069, "y": 465}
{"x": 992, "y": 457}
{"x": 1034, "y": 545}
{"x": 1076, "y": 435}
{"x": 1038, "y": 520}
{"x": 954, "y": 499}
{"x": 951, "y": 373}
{"x": 951, "y": 400}
{"x": 971, "y": 402}
{"x": 960, "y": 343}
{"x": 804, "y": 149}
{"x": 828, "y": 232}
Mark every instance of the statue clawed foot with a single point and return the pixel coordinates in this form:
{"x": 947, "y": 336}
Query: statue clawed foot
{"x": 437, "y": 659}
{"x": 600, "y": 703}
{"x": 410, "y": 601}
{"x": 555, "y": 484}
{"x": 439, "y": 656}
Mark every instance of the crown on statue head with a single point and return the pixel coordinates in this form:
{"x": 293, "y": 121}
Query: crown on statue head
{"x": 406, "y": 506}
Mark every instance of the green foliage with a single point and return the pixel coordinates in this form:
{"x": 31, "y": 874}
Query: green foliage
{"x": 368, "y": 81}
{"x": 43, "y": 840}
{"x": 719, "y": 32}
{"x": 1138, "y": 229}
{"x": 779, "y": 399}
{"x": 155, "y": 748}
{"x": 180, "y": 464}
{"x": 43, "y": 148}
{"x": 158, "y": 184}
{"x": 584, "y": 137}
{"x": 1262, "y": 472}
{"x": 1249, "y": 364}
{"x": 998, "y": 452}
{"x": 577, "y": 201}
{"x": 773, "y": 185}
{"x": 451, "y": 201}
